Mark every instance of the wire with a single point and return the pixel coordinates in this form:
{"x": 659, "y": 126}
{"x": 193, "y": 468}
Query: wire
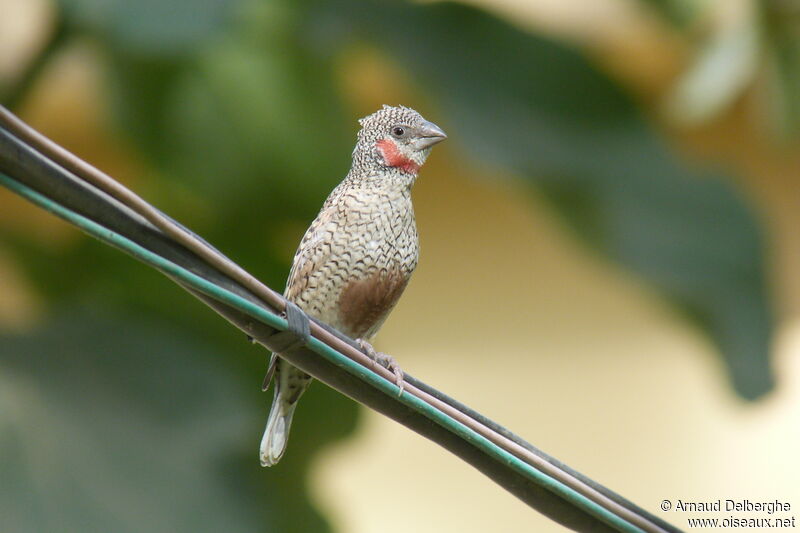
{"x": 74, "y": 190}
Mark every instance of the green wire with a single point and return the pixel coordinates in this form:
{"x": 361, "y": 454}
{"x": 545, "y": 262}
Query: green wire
{"x": 331, "y": 355}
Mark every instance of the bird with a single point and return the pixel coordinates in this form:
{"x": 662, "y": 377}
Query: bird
{"x": 358, "y": 254}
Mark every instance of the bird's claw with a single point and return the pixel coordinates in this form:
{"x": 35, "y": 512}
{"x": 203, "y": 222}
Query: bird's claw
{"x": 386, "y": 361}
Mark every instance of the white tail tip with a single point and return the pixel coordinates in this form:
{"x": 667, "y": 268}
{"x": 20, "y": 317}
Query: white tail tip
{"x": 276, "y": 434}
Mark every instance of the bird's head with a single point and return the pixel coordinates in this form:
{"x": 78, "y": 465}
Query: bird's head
{"x": 396, "y": 138}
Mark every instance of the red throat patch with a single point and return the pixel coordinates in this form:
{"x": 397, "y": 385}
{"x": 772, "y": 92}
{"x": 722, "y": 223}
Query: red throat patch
{"x": 392, "y": 157}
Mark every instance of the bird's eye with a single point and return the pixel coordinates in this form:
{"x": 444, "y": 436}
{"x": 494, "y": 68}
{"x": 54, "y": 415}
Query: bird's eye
{"x": 397, "y": 131}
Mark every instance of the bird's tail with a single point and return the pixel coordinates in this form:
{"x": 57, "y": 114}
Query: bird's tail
{"x": 276, "y": 435}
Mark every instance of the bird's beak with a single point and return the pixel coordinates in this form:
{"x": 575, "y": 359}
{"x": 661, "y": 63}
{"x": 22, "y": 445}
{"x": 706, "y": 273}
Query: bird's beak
{"x": 428, "y": 135}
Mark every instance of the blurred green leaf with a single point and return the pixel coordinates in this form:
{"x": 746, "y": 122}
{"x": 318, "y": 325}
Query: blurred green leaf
{"x": 109, "y": 424}
{"x": 680, "y": 13}
{"x": 781, "y": 97}
{"x": 541, "y": 109}
{"x": 274, "y": 112}
{"x": 265, "y": 114}
{"x": 150, "y": 27}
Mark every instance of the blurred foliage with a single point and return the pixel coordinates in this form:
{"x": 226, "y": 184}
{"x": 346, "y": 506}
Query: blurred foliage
{"x": 781, "y": 27}
{"x": 678, "y": 12}
{"x": 116, "y": 417}
{"x": 236, "y": 101}
{"x": 737, "y": 46}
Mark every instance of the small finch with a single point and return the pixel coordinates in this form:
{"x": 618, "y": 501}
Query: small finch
{"x": 356, "y": 258}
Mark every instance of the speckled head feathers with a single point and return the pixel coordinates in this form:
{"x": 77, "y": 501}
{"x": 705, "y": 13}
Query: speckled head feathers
{"x": 395, "y": 138}
{"x": 379, "y": 123}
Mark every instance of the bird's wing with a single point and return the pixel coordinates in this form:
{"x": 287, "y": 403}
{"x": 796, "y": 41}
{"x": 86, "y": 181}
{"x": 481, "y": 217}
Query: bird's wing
{"x": 311, "y": 253}
{"x": 314, "y": 250}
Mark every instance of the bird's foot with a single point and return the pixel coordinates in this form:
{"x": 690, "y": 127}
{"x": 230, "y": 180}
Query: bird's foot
{"x": 385, "y": 360}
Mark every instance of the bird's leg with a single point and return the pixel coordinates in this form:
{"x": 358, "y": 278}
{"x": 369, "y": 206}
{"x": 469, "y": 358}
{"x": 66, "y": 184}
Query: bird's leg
{"x": 385, "y": 360}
